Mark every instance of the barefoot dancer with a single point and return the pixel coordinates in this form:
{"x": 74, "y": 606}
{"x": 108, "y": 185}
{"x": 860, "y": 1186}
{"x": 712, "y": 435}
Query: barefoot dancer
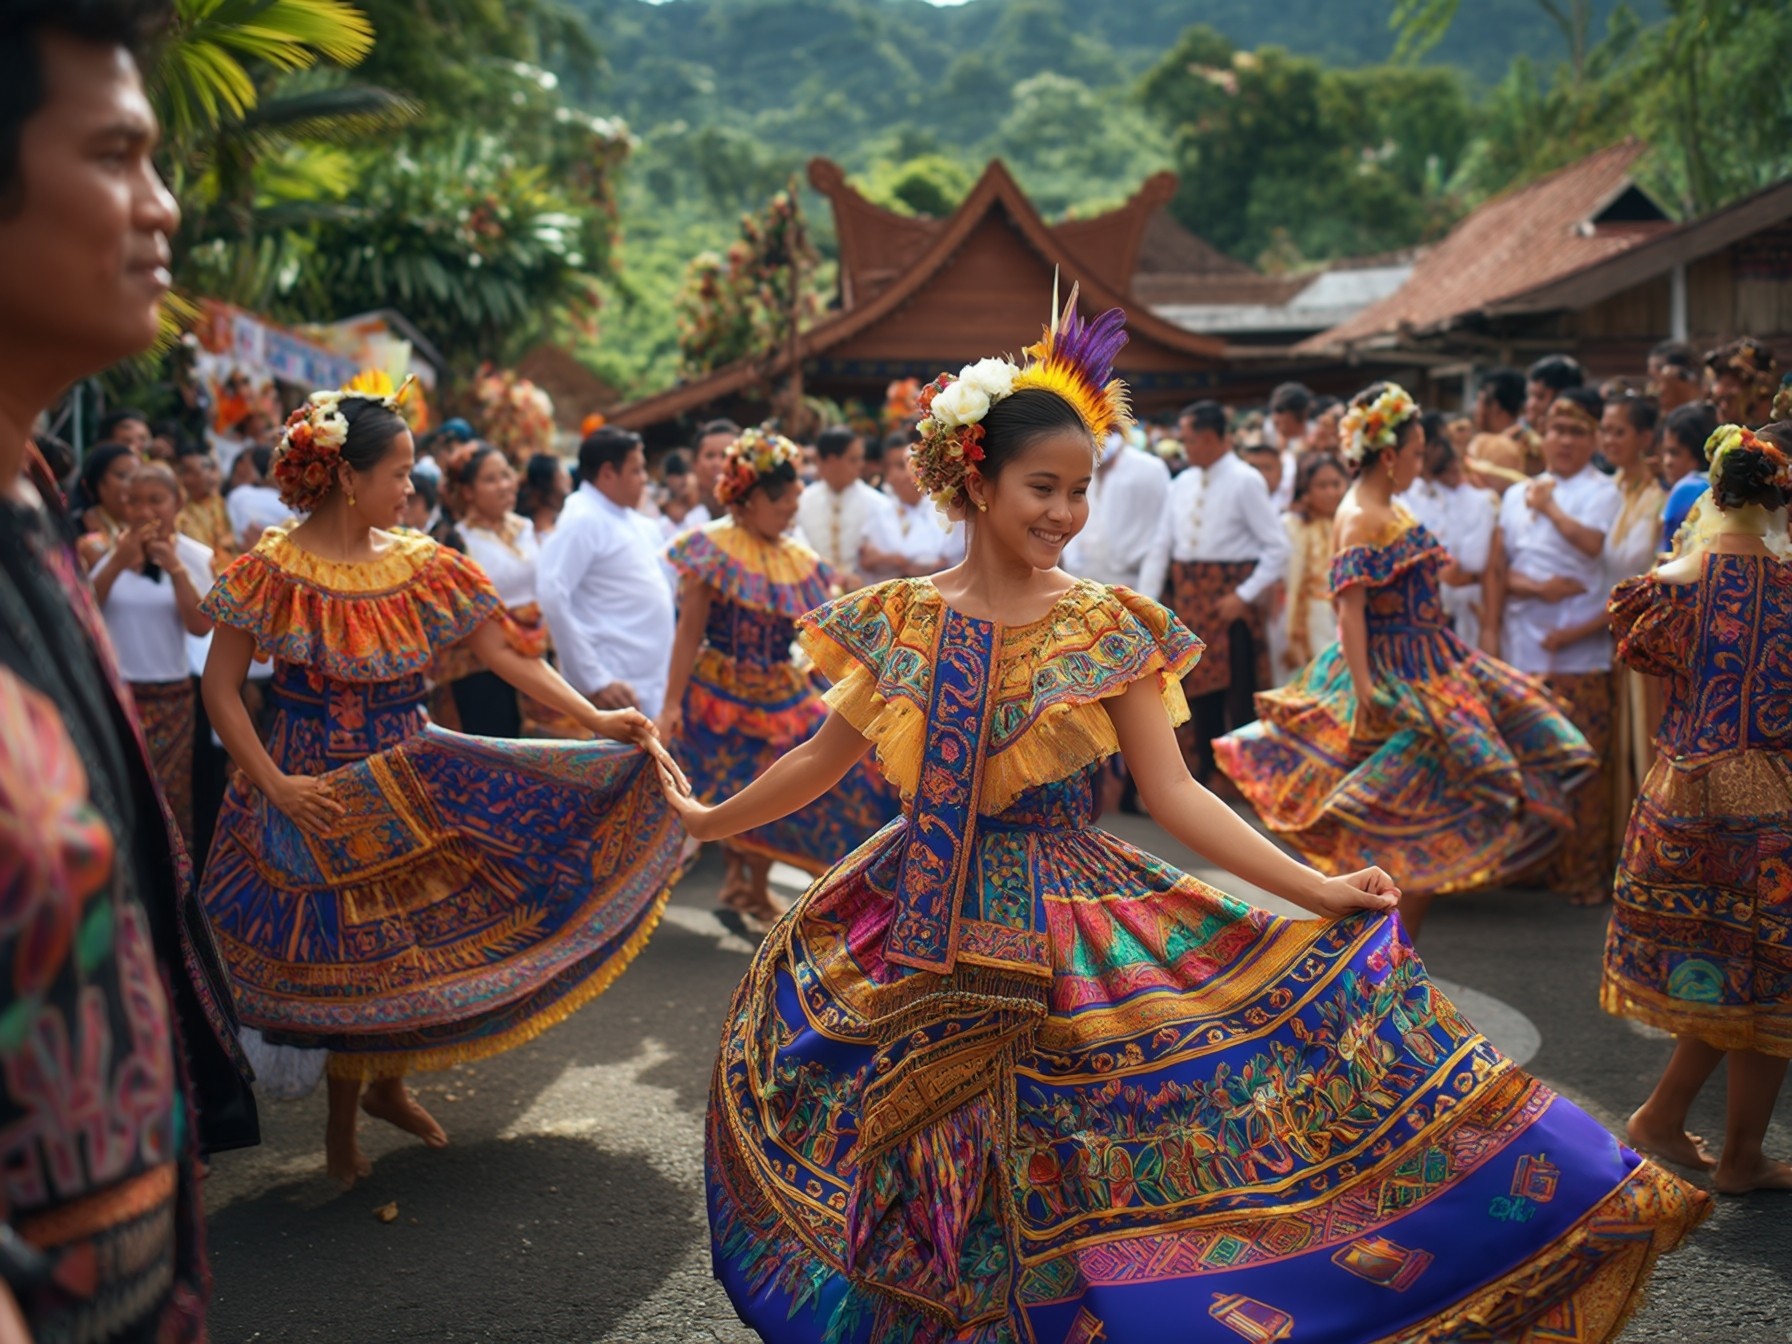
{"x": 1701, "y": 932}
{"x": 450, "y": 896}
{"x": 734, "y": 699}
{"x": 1001, "y": 1077}
{"x": 1400, "y": 745}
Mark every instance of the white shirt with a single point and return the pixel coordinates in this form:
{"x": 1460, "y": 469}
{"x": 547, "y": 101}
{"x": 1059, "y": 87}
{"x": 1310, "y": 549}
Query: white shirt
{"x": 1283, "y": 498}
{"x": 143, "y": 617}
{"x": 606, "y": 599}
{"x": 1222, "y": 513}
{"x": 254, "y": 506}
{"x": 1537, "y": 550}
{"x": 1461, "y": 517}
{"x": 509, "y": 565}
{"x": 699, "y": 516}
{"x": 836, "y": 525}
{"x": 917, "y": 532}
{"x": 1125, "y": 499}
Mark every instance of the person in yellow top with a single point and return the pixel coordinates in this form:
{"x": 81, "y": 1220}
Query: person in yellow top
{"x": 1319, "y": 485}
{"x": 398, "y": 895}
{"x": 203, "y": 517}
{"x": 999, "y": 1076}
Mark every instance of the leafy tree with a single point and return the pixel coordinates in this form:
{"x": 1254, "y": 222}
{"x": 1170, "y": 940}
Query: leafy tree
{"x": 930, "y": 185}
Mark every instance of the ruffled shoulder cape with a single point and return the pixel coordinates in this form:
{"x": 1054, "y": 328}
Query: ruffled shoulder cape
{"x": 1375, "y": 564}
{"x": 375, "y": 621}
{"x": 877, "y": 647}
{"x": 1656, "y": 624}
{"x": 784, "y": 577}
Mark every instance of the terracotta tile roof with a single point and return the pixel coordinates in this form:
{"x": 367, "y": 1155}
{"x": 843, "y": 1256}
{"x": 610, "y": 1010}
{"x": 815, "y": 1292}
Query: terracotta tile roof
{"x": 1529, "y": 237}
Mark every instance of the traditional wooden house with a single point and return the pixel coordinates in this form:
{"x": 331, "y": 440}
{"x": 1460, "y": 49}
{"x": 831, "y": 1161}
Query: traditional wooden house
{"x": 920, "y": 295}
{"x": 1581, "y": 262}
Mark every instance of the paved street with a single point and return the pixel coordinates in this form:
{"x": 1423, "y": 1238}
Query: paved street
{"x": 569, "y": 1208}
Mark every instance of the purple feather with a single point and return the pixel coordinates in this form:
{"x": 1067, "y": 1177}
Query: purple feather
{"x": 1091, "y": 347}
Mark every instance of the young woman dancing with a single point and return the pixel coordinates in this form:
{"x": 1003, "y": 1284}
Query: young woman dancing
{"x": 403, "y": 896}
{"x": 1001, "y": 1077}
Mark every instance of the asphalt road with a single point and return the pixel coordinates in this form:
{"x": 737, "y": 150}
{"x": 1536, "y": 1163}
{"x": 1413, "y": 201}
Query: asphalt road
{"x": 568, "y": 1209}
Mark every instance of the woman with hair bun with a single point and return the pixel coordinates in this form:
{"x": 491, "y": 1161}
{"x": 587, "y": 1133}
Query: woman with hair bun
{"x": 1700, "y": 942}
{"x": 399, "y": 895}
{"x": 735, "y": 701}
{"x": 1401, "y": 745}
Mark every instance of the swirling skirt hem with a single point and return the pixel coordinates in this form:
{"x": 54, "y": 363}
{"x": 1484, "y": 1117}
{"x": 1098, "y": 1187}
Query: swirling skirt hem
{"x": 1766, "y": 1031}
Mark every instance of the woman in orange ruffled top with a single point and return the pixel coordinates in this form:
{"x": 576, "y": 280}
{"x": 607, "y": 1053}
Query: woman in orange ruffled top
{"x": 399, "y": 895}
{"x": 1399, "y": 744}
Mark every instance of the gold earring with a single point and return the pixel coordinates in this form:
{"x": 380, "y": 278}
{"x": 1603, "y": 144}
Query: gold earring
{"x": 982, "y": 507}
{"x": 351, "y": 499}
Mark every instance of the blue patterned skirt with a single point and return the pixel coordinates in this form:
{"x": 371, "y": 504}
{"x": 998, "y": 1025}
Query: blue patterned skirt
{"x": 1202, "y": 1123}
{"x": 476, "y": 892}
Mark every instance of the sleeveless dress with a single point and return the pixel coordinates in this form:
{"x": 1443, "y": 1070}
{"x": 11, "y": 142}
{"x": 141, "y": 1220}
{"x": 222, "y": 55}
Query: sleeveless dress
{"x": 1464, "y": 781}
{"x": 748, "y": 702}
{"x": 1700, "y": 942}
{"x": 1001, "y": 1078}
{"x": 477, "y": 891}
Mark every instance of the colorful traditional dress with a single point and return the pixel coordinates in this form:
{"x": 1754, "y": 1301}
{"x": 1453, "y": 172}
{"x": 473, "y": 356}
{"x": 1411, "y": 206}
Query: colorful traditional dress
{"x": 1001, "y": 1078}
{"x": 476, "y": 891}
{"x": 1465, "y": 779}
{"x": 748, "y": 702}
{"x": 1701, "y": 934}
{"x": 1310, "y": 616}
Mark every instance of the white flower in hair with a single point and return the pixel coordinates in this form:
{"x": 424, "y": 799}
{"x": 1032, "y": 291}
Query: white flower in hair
{"x": 993, "y": 377}
{"x": 962, "y": 403}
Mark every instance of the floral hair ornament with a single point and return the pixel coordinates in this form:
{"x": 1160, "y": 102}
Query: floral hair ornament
{"x": 1728, "y": 439}
{"x": 751, "y": 458}
{"x": 1375, "y": 426}
{"x": 1073, "y": 358}
{"x": 304, "y": 467}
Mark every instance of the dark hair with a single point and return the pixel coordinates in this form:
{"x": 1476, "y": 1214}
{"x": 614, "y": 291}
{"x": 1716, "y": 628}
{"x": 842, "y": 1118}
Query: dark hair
{"x": 1292, "y": 398}
{"x": 905, "y": 437}
{"x": 1588, "y": 399}
{"x": 111, "y": 420}
{"x": 98, "y": 461}
{"x": 1506, "y": 388}
{"x": 1402, "y": 431}
{"x": 774, "y": 483}
{"x": 1310, "y": 467}
{"x": 727, "y": 427}
{"x": 113, "y": 23}
{"x": 539, "y": 475}
{"x": 835, "y": 440}
{"x": 1557, "y": 372}
{"x": 1745, "y": 477}
{"x": 1677, "y": 354}
{"x": 1321, "y": 405}
{"x": 1440, "y": 454}
{"x": 1690, "y": 425}
{"x": 606, "y": 447}
{"x": 1644, "y": 413}
{"x": 1021, "y": 419}
{"x": 1260, "y": 447}
{"x": 676, "y": 464}
{"x": 1432, "y": 422}
{"x": 1204, "y": 415}
{"x": 423, "y": 485}
{"x": 190, "y": 447}
{"x": 58, "y": 455}
{"x": 372, "y": 425}
{"x": 1752, "y": 355}
{"x": 468, "y": 471}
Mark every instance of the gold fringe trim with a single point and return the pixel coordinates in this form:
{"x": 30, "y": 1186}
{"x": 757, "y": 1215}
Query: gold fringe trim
{"x": 396, "y": 1065}
{"x": 1721, "y": 1027}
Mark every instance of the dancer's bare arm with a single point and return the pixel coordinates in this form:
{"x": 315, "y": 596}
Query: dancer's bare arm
{"x": 301, "y": 797}
{"x": 693, "y": 616}
{"x": 795, "y": 779}
{"x": 534, "y": 678}
{"x": 1213, "y": 830}
{"x": 1353, "y": 640}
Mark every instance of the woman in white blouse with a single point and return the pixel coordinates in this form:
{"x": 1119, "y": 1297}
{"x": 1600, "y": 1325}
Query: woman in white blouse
{"x": 149, "y": 585}
{"x": 482, "y": 487}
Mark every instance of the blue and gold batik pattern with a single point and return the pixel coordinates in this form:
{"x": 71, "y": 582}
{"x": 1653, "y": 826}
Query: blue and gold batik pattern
{"x": 1700, "y": 942}
{"x": 475, "y": 891}
{"x": 1025, "y": 1084}
{"x": 748, "y": 702}
{"x": 1456, "y": 777}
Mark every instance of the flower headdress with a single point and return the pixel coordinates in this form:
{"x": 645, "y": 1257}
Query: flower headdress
{"x": 1074, "y": 358}
{"x": 304, "y": 466}
{"x": 1365, "y": 429}
{"x": 752, "y": 457}
{"x": 1728, "y": 439}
